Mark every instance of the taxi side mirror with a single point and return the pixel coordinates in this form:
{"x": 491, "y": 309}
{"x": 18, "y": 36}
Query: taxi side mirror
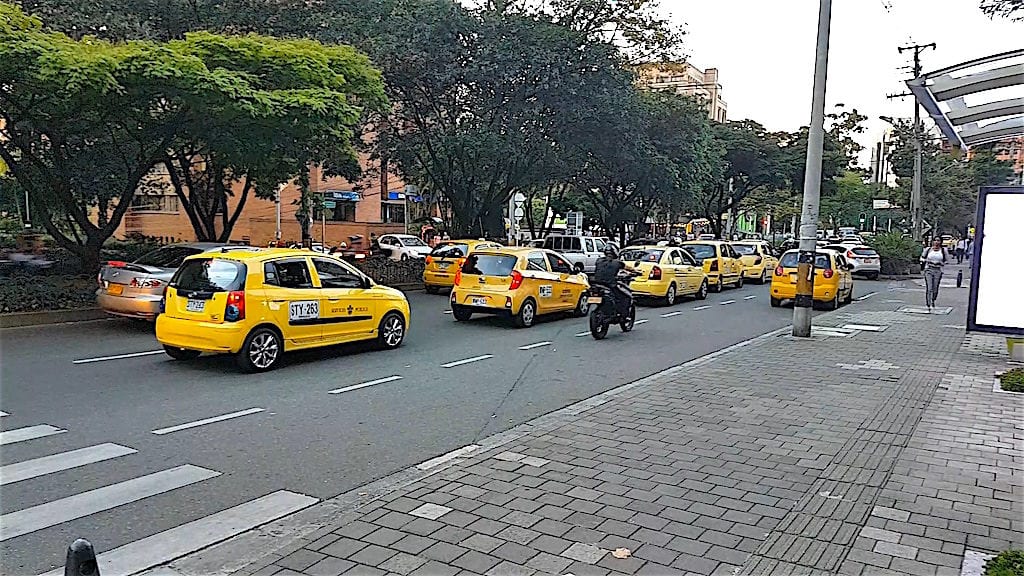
{"x": 367, "y": 283}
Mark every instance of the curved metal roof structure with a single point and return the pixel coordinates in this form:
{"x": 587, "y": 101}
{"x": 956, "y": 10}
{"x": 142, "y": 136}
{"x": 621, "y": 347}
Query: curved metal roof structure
{"x": 944, "y": 94}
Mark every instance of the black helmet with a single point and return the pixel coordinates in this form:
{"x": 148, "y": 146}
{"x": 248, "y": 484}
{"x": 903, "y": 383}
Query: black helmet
{"x": 610, "y": 252}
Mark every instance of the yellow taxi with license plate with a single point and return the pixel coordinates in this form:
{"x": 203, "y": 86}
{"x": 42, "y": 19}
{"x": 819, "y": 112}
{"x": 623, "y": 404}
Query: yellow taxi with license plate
{"x": 521, "y": 283}
{"x": 259, "y": 303}
{"x": 833, "y": 281}
{"x": 665, "y": 273}
{"x": 721, "y": 263}
{"x": 757, "y": 259}
{"x": 445, "y": 260}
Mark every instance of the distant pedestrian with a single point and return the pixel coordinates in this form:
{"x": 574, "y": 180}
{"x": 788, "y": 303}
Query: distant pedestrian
{"x": 969, "y": 249}
{"x": 933, "y": 259}
{"x": 961, "y": 249}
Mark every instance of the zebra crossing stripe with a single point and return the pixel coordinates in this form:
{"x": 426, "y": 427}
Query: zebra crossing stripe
{"x": 177, "y": 542}
{"x": 28, "y": 433}
{"x": 56, "y": 512}
{"x": 12, "y": 473}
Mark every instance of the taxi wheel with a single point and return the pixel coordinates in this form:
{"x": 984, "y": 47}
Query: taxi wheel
{"x": 670, "y": 295}
{"x": 391, "y": 331}
{"x": 739, "y": 281}
{"x": 460, "y": 313}
{"x": 261, "y": 351}
{"x": 776, "y": 302}
{"x": 432, "y": 289}
{"x": 181, "y": 353}
{"x": 702, "y": 292}
{"x": 764, "y": 276}
{"x": 718, "y": 285}
{"x": 582, "y": 307}
{"x": 833, "y": 304}
{"x": 849, "y": 297}
{"x": 527, "y": 314}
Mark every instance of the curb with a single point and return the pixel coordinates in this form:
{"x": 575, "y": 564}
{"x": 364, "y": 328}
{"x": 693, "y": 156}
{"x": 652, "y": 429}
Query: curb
{"x": 23, "y": 319}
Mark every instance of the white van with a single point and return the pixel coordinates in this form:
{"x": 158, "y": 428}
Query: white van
{"x": 581, "y": 251}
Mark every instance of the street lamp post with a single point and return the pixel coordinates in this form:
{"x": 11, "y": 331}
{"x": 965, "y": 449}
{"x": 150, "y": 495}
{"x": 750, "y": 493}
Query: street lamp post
{"x": 812, "y": 181}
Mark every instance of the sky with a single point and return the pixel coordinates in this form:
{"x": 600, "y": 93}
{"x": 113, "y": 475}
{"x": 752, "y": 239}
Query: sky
{"x": 764, "y": 52}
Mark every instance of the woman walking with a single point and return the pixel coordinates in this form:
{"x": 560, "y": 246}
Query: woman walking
{"x": 933, "y": 259}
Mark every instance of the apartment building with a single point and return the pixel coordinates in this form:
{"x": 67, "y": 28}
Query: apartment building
{"x": 685, "y": 78}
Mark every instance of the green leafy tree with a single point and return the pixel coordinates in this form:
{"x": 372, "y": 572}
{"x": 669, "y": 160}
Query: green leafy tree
{"x": 1012, "y": 9}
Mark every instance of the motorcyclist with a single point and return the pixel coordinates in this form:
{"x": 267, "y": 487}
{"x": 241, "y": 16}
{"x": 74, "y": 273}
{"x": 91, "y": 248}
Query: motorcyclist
{"x": 606, "y": 273}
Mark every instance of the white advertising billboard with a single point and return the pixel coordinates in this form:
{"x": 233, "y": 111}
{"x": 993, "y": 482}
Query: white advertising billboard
{"x": 997, "y": 285}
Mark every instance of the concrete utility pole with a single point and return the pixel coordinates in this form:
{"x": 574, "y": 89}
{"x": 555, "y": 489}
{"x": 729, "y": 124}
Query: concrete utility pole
{"x": 812, "y": 181}
{"x": 915, "y": 193}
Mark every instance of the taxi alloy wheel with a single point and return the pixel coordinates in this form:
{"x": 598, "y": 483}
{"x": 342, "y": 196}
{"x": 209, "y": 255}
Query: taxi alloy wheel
{"x": 776, "y": 302}
{"x": 181, "y": 353}
{"x": 261, "y": 351}
{"x": 849, "y": 297}
{"x": 582, "y": 307}
{"x": 833, "y": 304}
{"x": 764, "y": 275}
{"x": 739, "y": 281}
{"x": 719, "y": 285}
{"x": 670, "y": 295}
{"x": 702, "y": 292}
{"x": 527, "y": 314}
{"x": 391, "y": 331}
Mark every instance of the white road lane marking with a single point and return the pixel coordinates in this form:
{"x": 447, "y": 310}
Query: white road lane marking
{"x": 537, "y": 345}
{"x": 435, "y": 462}
{"x": 66, "y": 509}
{"x": 204, "y": 421}
{"x": 169, "y": 545}
{"x": 467, "y": 361}
{"x": 724, "y": 302}
{"x": 701, "y": 307}
{"x": 671, "y": 314}
{"x": 116, "y": 357}
{"x": 447, "y": 312}
{"x": 28, "y": 433}
{"x": 751, "y": 297}
{"x": 365, "y": 384}
{"x": 582, "y": 334}
{"x": 639, "y": 322}
{"x": 2, "y": 414}
{"x": 12, "y": 473}
{"x": 866, "y": 296}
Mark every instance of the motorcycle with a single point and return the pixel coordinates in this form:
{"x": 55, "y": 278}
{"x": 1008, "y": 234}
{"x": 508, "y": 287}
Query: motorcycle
{"x": 603, "y": 310}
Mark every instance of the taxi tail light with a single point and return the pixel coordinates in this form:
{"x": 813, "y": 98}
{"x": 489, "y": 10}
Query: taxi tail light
{"x": 714, "y": 266}
{"x": 235, "y": 308}
{"x": 117, "y": 264}
{"x": 655, "y": 273}
{"x": 779, "y": 271}
{"x": 429, "y": 260}
{"x": 827, "y": 273}
{"x": 458, "y": 276}
{"x": 517, "y": 280}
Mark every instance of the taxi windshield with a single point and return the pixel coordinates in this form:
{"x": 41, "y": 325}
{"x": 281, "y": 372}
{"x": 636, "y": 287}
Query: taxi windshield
{"x": 701, "y": 251}
{"x": 490, "y": 264}
{"x": 210, "y": 275}
{"x": 745, "y": 249}
{"x": 790, "y": 260}
{"x": 641, "y": 255}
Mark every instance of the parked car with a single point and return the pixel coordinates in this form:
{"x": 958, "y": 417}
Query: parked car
{"x": 134, "y": 289}
{"x": 581, "y": 251}
{"x": 863, "y": 258}
{"x": 833, "y": 282}
{"x": 403, "y": 246}
{"x": 666, "y": 273}
{"x": 447, "y": 258}
{"x": 757, "y": 258}
{"x": 721, "y": 263}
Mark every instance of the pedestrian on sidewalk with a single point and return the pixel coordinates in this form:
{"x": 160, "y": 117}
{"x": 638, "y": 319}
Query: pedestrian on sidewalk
{"x": 933, "y": 259}
{"x": 961, "y": 249}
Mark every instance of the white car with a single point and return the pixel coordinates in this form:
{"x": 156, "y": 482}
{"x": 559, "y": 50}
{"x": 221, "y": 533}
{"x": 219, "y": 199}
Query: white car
{"x": 864, "y": 259}
{"x": 403, "y": 246}
{"x": 581, "y": 251}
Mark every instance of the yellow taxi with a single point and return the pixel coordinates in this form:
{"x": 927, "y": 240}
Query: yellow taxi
{"x": 258, "y": 303}
{"x": 445, "y": 260}
{"x": 521, "y": 283}
{"x": 757, "y": 259}
{"x": 721, "y": 263}
{"x": 666, "y": 273}
{"x": 833, "y": 281}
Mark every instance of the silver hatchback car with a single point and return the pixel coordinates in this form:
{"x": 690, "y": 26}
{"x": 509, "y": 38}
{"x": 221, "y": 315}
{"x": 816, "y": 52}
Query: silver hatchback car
{"x": 134, "y": 289}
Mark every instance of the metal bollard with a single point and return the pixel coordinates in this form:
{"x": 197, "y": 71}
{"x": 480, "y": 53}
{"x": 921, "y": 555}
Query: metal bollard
{"x": 81, "y": 560}
{"x": 959, "y": 278}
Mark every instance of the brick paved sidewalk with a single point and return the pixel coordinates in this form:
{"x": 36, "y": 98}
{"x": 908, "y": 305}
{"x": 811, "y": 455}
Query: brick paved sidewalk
{"x": 866, "y": 452}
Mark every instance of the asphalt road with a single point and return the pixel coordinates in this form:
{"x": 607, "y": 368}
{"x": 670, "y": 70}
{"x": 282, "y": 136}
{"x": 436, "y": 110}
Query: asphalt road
{"x": 304, "y": 439}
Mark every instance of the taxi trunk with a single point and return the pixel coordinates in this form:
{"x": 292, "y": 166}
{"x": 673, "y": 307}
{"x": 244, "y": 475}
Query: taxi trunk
{"x": 826, "y": 280}
{"x": 487, "y": 281}
{"x": 652, "y": 279}
{"x": 207, "y": 290}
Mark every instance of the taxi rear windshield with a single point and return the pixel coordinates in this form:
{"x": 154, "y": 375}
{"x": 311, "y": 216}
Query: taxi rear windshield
{"x": 701, "y": 251}
{"x": 744, "y": 249}
{"x": 641, "y": 255}
{"x": 791, "y": 259}
{"x": 209, "y": 275}
{"x": 489, "y": 264}
{"x": 450, "y": 251}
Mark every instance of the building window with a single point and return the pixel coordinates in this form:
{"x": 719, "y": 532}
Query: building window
{"x": 338, "y": 211}
{"x": 155, "y": 203}
{"x": 392, "y": 213}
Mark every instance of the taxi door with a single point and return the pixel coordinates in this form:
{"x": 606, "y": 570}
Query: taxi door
{"x": 293, "y": 300}
{"x": 768, "y": 258}
{"x": 544, "y": 284}
{"x": 570, "y": 284}
{"x": 732, "y": 261}
{"x": 348, "y": 309}
{"x": 687, "y": 276}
